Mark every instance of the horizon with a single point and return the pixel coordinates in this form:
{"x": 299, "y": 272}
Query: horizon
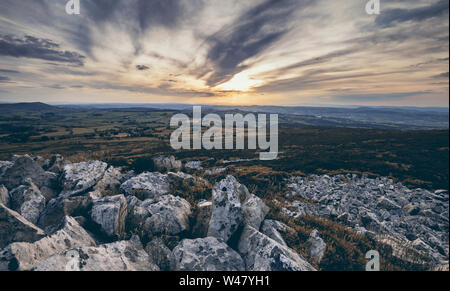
{"x": 233, "y": 53}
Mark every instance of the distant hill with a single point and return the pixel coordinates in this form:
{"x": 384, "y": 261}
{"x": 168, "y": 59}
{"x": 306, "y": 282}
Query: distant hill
{"x": 32, "y": 106}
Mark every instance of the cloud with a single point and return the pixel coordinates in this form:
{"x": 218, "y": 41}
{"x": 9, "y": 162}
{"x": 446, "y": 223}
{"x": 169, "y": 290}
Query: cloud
{"x": 442, "y": 76}
{"x": 252, "y": 33}
{"x": 5, "y": 71}
{"x": 4, "y": 79}
{"x": 390, "y": 17}
{"x": 37, "y": 48}
{"x": 142, "y": 68}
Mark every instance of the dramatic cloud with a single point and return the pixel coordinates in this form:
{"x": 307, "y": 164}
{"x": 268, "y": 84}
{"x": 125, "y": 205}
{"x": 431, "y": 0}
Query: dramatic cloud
{"x": 36, "y": 48}
{"x": 392, "y": 16}
{"x": 287, "y": 52}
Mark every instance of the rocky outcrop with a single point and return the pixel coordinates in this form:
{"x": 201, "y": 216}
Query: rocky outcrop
{"x": 56, "y": 164}
{"x": 58, "y": 208}
{"x": 117, "y": 256}
{"x": 110, "y": 214}
{"x": 15, "y": 228}
{"x": 4, "y": 195}
{"x": 159, "y": 253}
{"x": 227, "y": 214}
{"x": 166, "y": 215}
{"x": 111, "y": 180}
{"x": 316, "y": 246}
{"x": 234, "y": 206}
{"x": 163, "y": 163}
{"x": 254, "y": 211}
{"x": 24, "y": 168}
{"x": 202, "y": 219}
{"x": 194, "y": 165}
{"x": 377, "y": 206}
{"x": 79, "y": 178}
{"x": 22, "y": 256}
{"x": 147, "y": 185}
{"x": 206, "y": 254}
{"x": 28, "y": 201}
{"x": 262, "y": 253}
{"x": 272, "y": 229}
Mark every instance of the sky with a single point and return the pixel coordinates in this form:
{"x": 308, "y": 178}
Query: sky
{"x": 228, "y": 52}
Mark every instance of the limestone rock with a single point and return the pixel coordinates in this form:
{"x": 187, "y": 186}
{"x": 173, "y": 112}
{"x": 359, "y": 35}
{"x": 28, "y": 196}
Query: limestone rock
{"x": 272, "y": 229}
{"x": 79, "y": 178}
{"x": 117, "y": 256}
{"x": 23, "y": 256}
{"x": 28, "y": 201}
{"x": 206, "y": 254}
{"x": 4, "y": 195}
{"x": 159, "y": 253}
{"x": 202, "y": 219}
{"x": 163, "y": 163}
{"x": 15, "y": 228}
{"x": 254, "y": 211}
{"x": 316, "y": 246}
{"x": 110, "y": 214}
{"x": 147, "y": 185}
{"x": 262, "y": 253}
{"x": 227, "y": 214}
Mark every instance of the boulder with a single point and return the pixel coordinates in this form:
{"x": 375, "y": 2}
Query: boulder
{"x": 110, "y": 214}
{"x": 206, "y": 254}
{"x": 227, "y": 214}
{"x": 15, "y": 228}
{"x": 22, "y": 256}
{"x": 111, "y": 180}
{"x": 147, "y": 185}
{"x": 24, "y": 168}
{"x": 272, "y": 229}
{"x": 262, "y": 253}
{"x": 254, "y": 211}
{"x": 117, "y": 256}
{"x": 168, "y": 215}
{"x": 28, "y": 201}
{"x": 159, "y": 253}
{"x": 202, "y": 219}
{"x": 60, "y": 207}
{"x": 79, "y": 178}
{"x": 181, "y": 177}
{"x": 316, "y": 246}
{"x": 163, "y": 163}
{"x": 194, "y": 165}
{"x": 4, "y": 195}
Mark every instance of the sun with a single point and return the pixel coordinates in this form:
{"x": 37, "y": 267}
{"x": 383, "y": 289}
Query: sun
{"x": 240, "y": 82}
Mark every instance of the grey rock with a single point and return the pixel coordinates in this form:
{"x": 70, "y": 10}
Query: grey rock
{"x": 316, "y": 246}
{"x": 262, "y": 253}
{"x": 206, "y": 254}
{"x": 56, "y": 164}
{"x": 110, "y": 214}
{"x": 23, "y": 256}
{"x": 227, "y": 214}
{"x": 202, "y": 216}
{"x": 163, "y": 163}
{"x": 147, "y": 185}
{"x": 28, "y": 201}
{"x": 111, "y": 180}
{"x": 159, "y": 253}
{"x": 24, "y": 168}
{"x": 272, "y": 229}
{"x": 79, "y": 178}
{"x": 4, "y": 195}
{"x": 195, "y": 165}
{"x": 15, "y": 228}
{"x": 117, "y": 256}
{"x": 58, "y": 208}
{"x": 167, "y": 215}
{"x": 254, "y": 211}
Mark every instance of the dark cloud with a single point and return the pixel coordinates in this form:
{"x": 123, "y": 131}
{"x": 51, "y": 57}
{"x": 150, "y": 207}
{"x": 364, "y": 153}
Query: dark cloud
{"x": 37, "y": 48}
{"x": 392, "y": 16}
{"x": 442, "y": 76}
{"x": 4, "y": 79}
{"x": 9, "y": 71}
{"x": 142, "y": 68}
{"x": 253, "y": 32}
